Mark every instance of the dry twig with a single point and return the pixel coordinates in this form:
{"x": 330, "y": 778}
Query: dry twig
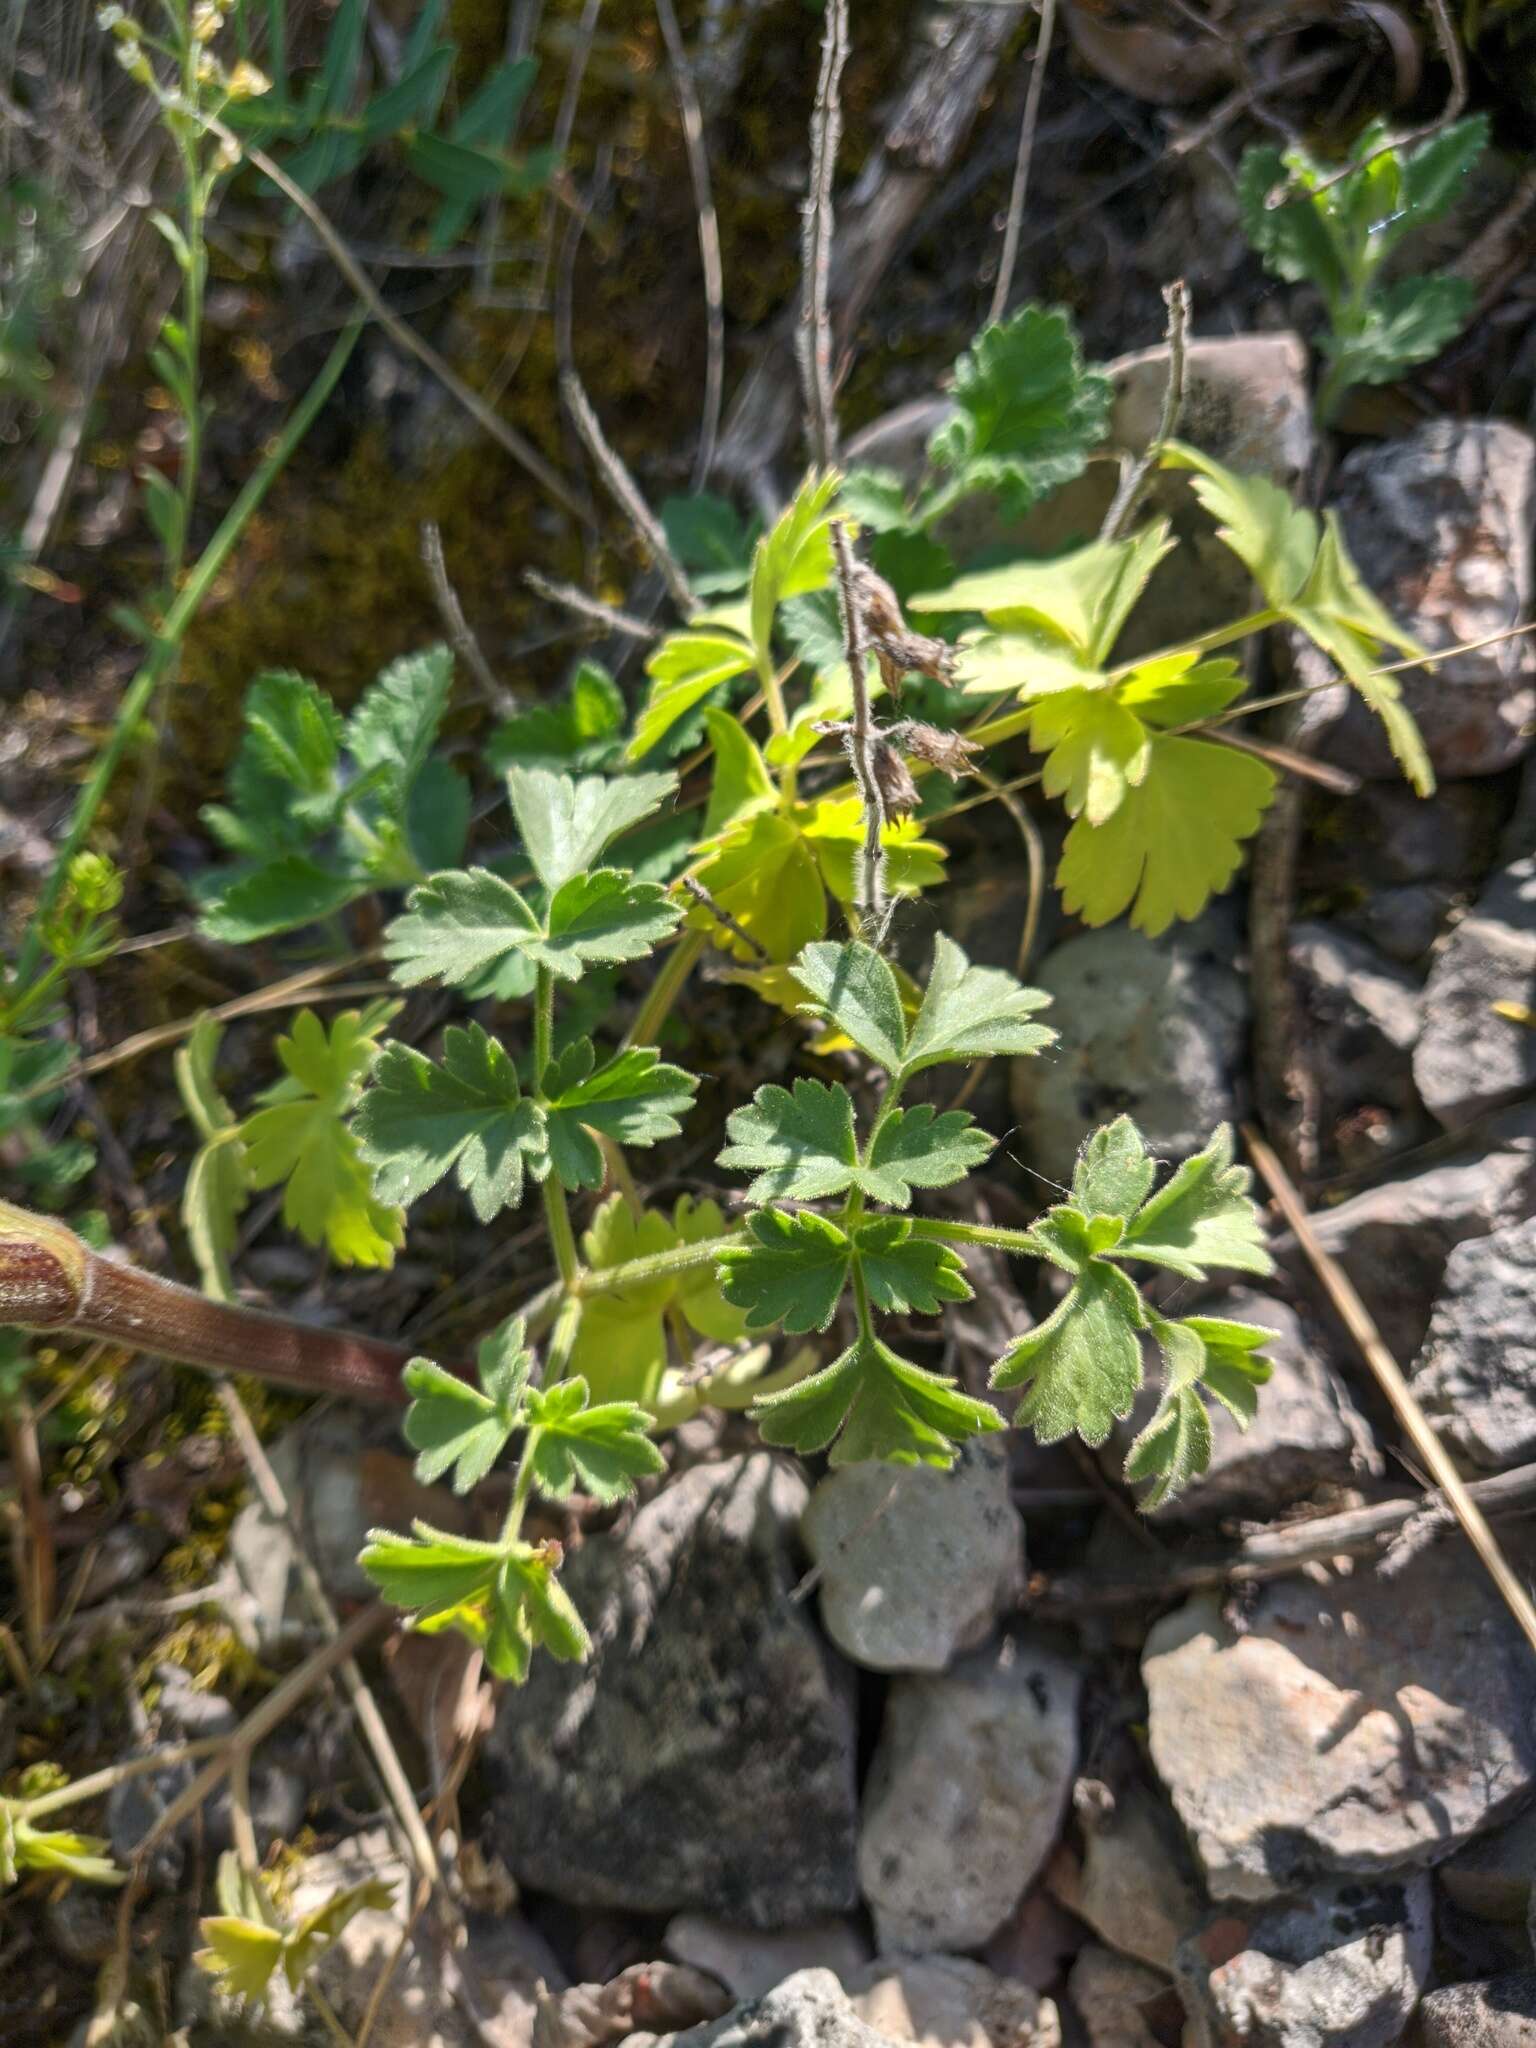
{"x": 460, "y": 633}
{"x": 1135, "y": 476}
{"x": 869, "y": 894}
{"x": 813, "y": 341}
{"x": 1357, "y": 1319}
{"x": 625, "y": 492}
{"x": 1020, "y": 191}
{"x": 709, "y": 238}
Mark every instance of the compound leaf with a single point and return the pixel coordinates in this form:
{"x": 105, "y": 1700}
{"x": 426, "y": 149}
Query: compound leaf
{"x": 602, "y": 916}
{"x": 799, "y": 1143}
{"x": 1027, "y": 411}
{"x": 903, "y": 1272}
{"x": 1203, "y": 1217}
{"x": 1175, "y": 840}
{"x": 922, "y": 1147}
{"x": 602, "y": 1449}
{"x": 869, "y": 1403}
{"x": 1082, "y": 1365}
{"x": 972, "y": 1013}
{"x": 566, "y": 824}
{"x": 461, "y": 1428}
{"x": 635, "y": 1097}
{"x": 419, "y": 1120}
{"x": 1114, "y": 1172}
{"x": 792, "y": 1272}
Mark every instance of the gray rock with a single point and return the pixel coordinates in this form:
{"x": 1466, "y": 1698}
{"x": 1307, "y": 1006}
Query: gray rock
{"x": 808, "y": 2010}
{"x": 1308, "y": 1432}
{"x": 951, "y": 2002}
{"x": 1359, "y": 1015}
{"x": 1130, "y": 1884}
{"x": 1492, "y": 1877}
{"x": 1440, "y": 526}
{"x": 1113, "y": 1997}
{"x": 1155, "y": 1027}
{"x": 749, "y": 1962}
{"x": 1385, "y": 834}
{"x": 1350, "y": 1724}
{"x": 1393, "y": 1240}
{"x": 1404, "y": 921}
{"x": 1469, "y": 1058}
{"x": 1476, "y": 1376}
{"x": 704, "y": 1759}
{"x": 966, "y": 1794}
{"x": 916, "y": 1565}
{"x": 1498, "y": 2013}
{"x": 1341, "y": 1969}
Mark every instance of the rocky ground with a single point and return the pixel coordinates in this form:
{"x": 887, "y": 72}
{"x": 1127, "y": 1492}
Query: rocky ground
{"x": 982, "y": 1760}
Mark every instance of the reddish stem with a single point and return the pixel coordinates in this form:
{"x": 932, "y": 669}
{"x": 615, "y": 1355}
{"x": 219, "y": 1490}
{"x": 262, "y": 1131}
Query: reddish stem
{"x": 50, "y": 1279}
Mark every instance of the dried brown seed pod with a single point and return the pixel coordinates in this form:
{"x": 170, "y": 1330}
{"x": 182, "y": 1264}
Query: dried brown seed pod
{"x": 950, "y": 751}
{"x": 898, "y": 792}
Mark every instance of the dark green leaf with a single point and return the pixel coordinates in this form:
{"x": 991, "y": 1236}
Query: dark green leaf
{"x": 792, "y": 1272}
{"x": 566, "y": 825}
{"x": 634, "y": 1098}
{"x": 903, "y": 1272}
{"x": 1114, "y": 1172}
{"x": 800, "y": 1144}
{"x": 419, "y": 1120}
{"x": 869, "y": 1403}
{"x": 708, "y": 537}
{"x": 1082, "y": 1365}
{"x": 1204, "y": 1217}
{"x": 922, "y": 1147}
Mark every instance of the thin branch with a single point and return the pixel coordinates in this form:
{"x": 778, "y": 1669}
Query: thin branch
{"x": 625, "y": 492}
{"x": 585, "y": 607}
{"x": 1138, "y": 474}
{"x": 1357, "y": 1319}
{"x": 709, "y": 239}
{"x": 460, "y": 633}
{"x": 869, "y": 893}
{"x": 1288, "y": 1547}
{"x": 522, "y": 451}
{"x": 1017, "y": 196}
{"x": 722, "y": 916}
{"x": 813, "y": 340}
{"x": 1455, "y": 58}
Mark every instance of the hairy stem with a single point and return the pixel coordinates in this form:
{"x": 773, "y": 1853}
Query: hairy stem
{"x": 869, "y": 892}
{"x": 665, "y": 989}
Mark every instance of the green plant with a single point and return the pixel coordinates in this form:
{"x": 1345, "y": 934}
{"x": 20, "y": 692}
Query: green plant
{"x": 825, "y": 815}
{"x": 1340, "y": 231}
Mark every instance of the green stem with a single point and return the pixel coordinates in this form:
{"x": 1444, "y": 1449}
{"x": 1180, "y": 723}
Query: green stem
{"x": 522, "y": 1489}
{"x": 562, "y": 1235}
{"x": 543, "y": 1024}
{"x": 656, "y": 1265}
{"x": 1019, "y": 1241}
{"x": 1207, "y": 643}
{"x": 665, "y": 989}
{"x": 141, "y": 690}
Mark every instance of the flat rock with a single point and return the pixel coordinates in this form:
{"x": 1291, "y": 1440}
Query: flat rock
{"x": 951, "y": 2002}
{"x": 916, "y": 1565}
{"x": 1385, "y": 834}
{"x": 1351, "y": 1724}
{"x": 1113, "y": 1997}
{"x": 1500, "y": 2012}
{"x": 1469, "y": 1059}
{"x": 1307, "y": 1433}
{"x": 1404, "y": 920}
{"x": 1476, "y": 1376}
{"x": 703, "y": 1760}
{"x": 1342, "y": 1968}
{"x": 966, "y": 1794}
{"x": 1154, "y": 1027}
{"x": 1131, "y": 1883}
{"x": 1492, "y": 1877}
{"x": 1394, "y": 1239}
{"x": 749, "y": 1962}
{"x": 1439, "y": 523}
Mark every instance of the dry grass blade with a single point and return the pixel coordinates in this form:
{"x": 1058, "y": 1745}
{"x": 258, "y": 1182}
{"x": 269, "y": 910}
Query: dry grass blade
{"x": 709, "y": 238}
{"x": 1357, "y": 1319}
